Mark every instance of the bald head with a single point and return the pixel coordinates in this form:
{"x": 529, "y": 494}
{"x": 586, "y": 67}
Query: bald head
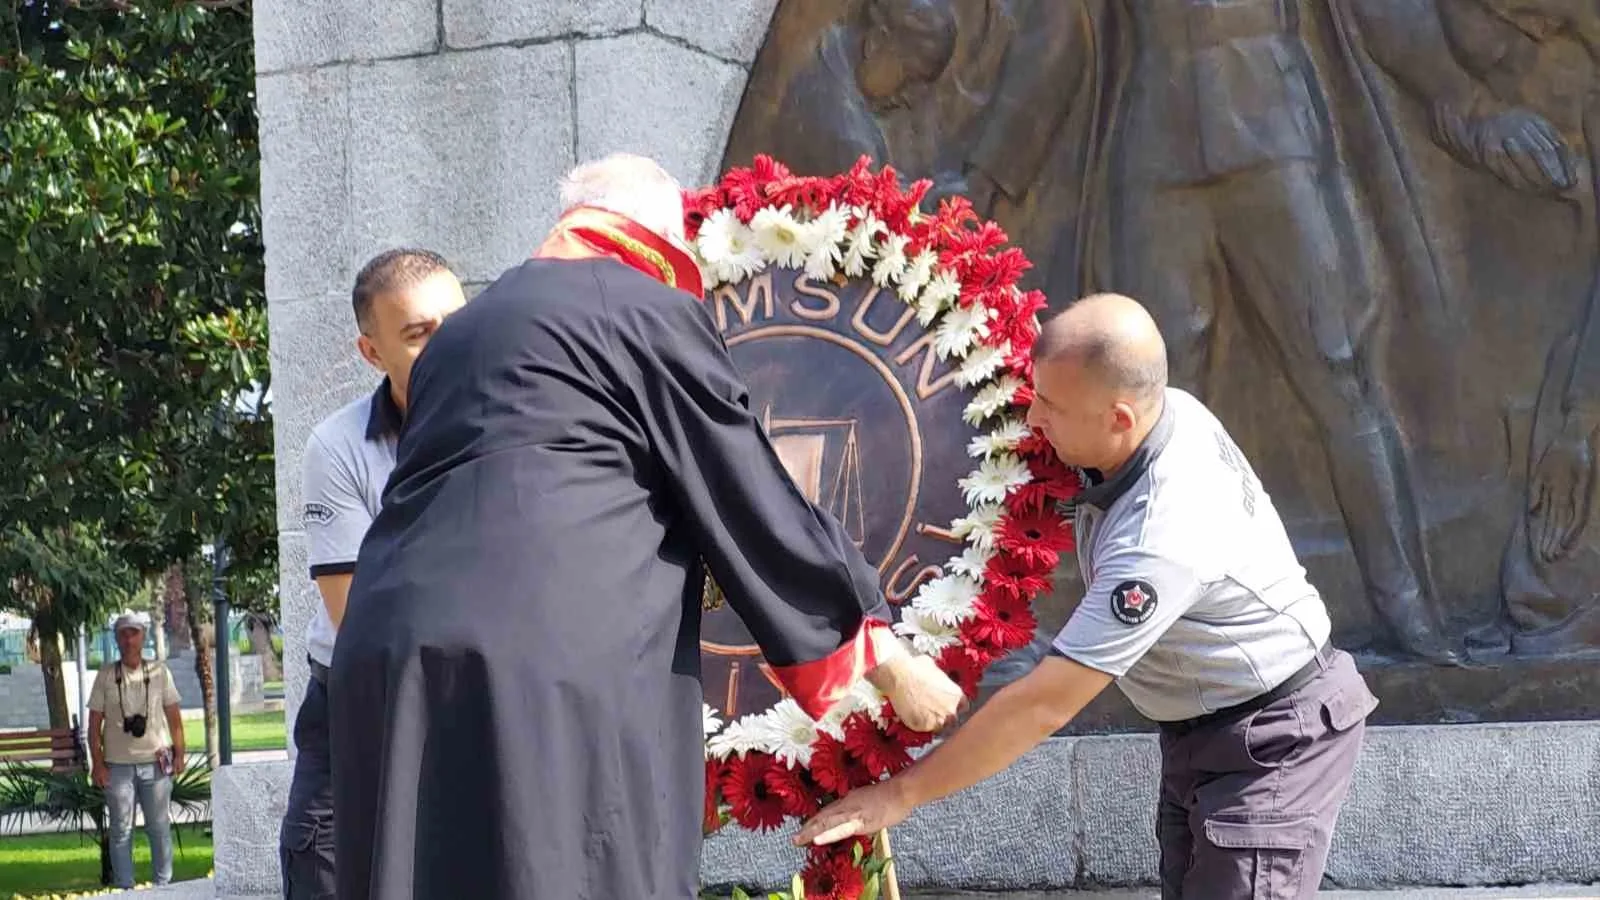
{"x": 1115, "y": 341}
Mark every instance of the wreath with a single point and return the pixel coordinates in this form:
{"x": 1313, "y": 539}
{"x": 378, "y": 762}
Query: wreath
{"x": 954, "y": 269}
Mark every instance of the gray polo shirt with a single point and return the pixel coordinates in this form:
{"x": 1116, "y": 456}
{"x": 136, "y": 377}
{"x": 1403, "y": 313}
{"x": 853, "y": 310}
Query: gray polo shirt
{"x": 347, "y": 463}
{"x": 1195, "y": 600}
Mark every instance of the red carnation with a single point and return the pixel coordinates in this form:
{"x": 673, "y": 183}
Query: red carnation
{"x": 1001, "y": 621}
{"x": 834, "y": 876}
{"x": 879, "y": 752}
{"x": 790, "y": 787}
{"x": 1012, "y": 577}
{"x": 833, "y": 767}
{"x": 1036, "y": 538}
{"x": 754, "y": 804}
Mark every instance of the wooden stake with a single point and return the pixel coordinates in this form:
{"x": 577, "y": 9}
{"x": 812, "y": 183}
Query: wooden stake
{"x": 891, "y": 884}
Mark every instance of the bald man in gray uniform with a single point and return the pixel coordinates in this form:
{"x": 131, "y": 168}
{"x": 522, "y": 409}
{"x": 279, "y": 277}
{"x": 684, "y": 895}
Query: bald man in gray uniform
{"x": 1196, "y": 606}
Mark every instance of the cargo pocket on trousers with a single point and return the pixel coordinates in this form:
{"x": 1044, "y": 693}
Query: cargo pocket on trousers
{"x": 1346, "y": 708}
{"x": 1268, "y": 850}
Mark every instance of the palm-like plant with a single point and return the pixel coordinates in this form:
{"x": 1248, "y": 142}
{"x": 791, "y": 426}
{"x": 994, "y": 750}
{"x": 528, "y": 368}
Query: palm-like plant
{"x": 65, "y": 797}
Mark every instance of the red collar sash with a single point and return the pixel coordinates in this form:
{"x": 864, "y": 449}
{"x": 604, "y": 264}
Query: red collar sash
{"x": 589, "y": 233}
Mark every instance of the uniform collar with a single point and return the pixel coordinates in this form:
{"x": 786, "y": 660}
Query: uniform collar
{"x": 384, "y": 417}
{"x": 1102, "y": 491}
{"x": 586, "y": 232}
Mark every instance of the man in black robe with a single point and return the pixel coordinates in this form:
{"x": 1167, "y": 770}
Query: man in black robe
{"x": 516, "y": 703}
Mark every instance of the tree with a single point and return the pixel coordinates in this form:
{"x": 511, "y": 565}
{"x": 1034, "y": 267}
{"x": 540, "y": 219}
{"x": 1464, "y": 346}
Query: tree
{"x": 134, "y": 385}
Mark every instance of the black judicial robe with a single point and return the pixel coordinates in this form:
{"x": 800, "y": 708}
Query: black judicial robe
{"x": 515, "y": 694}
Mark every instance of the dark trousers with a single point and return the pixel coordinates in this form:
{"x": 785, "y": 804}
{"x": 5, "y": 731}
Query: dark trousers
{"x": 305, "y": 841}
{"x": 1249, "y": 801}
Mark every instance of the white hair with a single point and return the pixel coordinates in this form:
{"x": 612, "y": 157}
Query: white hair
{"x": 629, "y": 185}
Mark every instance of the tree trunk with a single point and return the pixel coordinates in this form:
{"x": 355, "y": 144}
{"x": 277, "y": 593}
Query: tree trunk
{"x": 203, "y": 641}
{"x": 55, "y": 685}
{"x": 260, "y": 629}
{"x": 175, "y": 608}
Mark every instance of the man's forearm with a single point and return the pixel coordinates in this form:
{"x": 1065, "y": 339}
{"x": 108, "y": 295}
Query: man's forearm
{"x": 175, "y": 729}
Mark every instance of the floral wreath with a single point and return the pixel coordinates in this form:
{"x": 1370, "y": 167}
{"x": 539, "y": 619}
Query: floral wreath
{"x": 953, "y": 269}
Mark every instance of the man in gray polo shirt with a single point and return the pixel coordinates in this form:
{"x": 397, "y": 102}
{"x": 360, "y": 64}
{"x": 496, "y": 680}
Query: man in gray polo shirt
{"x": 1196, "y": 606}
{"x": 400, "y": 297}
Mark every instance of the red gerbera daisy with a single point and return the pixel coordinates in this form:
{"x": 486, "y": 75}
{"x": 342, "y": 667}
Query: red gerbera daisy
{"x": 754, "y": 804}
{"x": 1036, "y": 538}
{"x": 1014, "y": 578}
{"x": 965, "y": 665}
{"x": 881, "y": 754}
{"x": 1000, "y": 621}
{"x": 712, "y": 819}
{"x": 833, "y": 877}
{"x": 790, "y": 787}
{"x": 834, "y": 768}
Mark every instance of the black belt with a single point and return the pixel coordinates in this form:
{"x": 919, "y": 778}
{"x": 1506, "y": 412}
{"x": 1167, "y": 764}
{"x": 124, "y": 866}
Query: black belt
{"x": 1288, "y": 686}
{"x": 318, "y": 671}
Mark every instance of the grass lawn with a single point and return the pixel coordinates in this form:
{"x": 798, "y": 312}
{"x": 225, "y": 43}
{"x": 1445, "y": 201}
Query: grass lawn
{"x": 60, "y": 863}
{"x": 251, "y": 731}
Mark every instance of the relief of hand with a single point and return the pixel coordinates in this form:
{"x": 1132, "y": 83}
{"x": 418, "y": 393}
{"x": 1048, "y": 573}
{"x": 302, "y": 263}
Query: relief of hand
{"x": 1560, "y": 491}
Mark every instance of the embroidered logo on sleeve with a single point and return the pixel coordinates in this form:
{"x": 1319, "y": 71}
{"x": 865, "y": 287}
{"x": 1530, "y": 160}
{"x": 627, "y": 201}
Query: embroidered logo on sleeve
{"x": 317, "y": 513}
{"x": 1133, "y": 601}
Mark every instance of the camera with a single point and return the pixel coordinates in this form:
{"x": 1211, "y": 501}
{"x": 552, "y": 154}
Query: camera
{"x": 134, "y": 725}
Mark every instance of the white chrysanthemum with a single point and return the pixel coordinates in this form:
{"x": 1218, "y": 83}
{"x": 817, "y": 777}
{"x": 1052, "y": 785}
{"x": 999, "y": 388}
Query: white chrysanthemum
{"x": 939, "y": 294}
{"x": 992, "y": 399}
{"x": 972, "y": 562}
{"x": 980, "y": 527}
{"x": 891, "y": 260}
{"x": 927, "y": 633}
{"x": 947, "y": 599}
{"x": 994, "y": 479}
{"x": 738, "y": 737}
{"x": 917, "y": 275}
{"x": 862, "y": 246}
{"x": 1003, "y": 438}
{"x": 781, "y": 237}
{"x": 709, "y": 723}
{"x": 789, "y": 732}
{"x": 960, "y": 328}
{"x": 981, "y": 364}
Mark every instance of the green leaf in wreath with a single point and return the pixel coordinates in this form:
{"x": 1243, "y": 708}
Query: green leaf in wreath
{"x": 870, "y": 892}
{"x": 797, "y": 888}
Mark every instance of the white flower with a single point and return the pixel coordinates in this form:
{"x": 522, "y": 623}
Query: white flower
{"x": 709, "y": 722}
{"x": 947, "y": 599}
{"x": 917, "y": 274}
{"x": 940, "y": 293}
{"x": 927, "y": 633}
{"x": 715, "y": 241}
{"x": 789, "y": 732}
{"x": 981, "y": 364}
{"x": 961, "y": 326}
{"x": 992, "y": 399}
{"x": 1005, "y": 437}
{"x": 972, "y": 562}
{"x": 737, "y": 738}
{"x": 861, "y": 243}
{"x": 832, "y": 225}
{"x": 828, "y": 233}
{"x": 863, "y": 697}
{"x": 891, "y": 260}
{"x": 994, "y": 479}
{"x": 980, "y": 527}
{"x": 781, "y": 238}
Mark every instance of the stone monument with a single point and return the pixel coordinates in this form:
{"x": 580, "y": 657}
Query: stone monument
{"x": 1369, "y": 228}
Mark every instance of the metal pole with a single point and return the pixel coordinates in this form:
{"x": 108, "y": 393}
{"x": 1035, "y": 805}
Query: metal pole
{"x": 219, "y": 603}
{"x": 83, "y": 684}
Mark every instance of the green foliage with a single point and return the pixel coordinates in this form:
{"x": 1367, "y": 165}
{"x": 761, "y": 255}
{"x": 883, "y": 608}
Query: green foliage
{"x": 133, "y": 317}
{"x": 62, "y": 576}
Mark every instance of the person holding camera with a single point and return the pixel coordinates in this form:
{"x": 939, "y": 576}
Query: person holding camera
{"x": 136, "y": 746}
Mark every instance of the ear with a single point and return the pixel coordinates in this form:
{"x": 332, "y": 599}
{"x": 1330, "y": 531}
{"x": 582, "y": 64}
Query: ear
{"x": 369, "y": 352}
{"x": 1123, "y": 416}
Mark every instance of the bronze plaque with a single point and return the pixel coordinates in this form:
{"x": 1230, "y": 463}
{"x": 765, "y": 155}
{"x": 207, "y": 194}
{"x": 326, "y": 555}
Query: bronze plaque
{"x": 868, "y": 422}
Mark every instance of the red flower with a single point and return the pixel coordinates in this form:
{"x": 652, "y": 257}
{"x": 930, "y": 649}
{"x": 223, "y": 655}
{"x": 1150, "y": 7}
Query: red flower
{"x": 879, "y": 752}
{"x": 1000, "y": 621}
{"x": 901, "y": 733}
{"x": 1036, "y": 444}
{"x": 1012, "y": 578}
{"x": 755, "y": 805}
{"x": 965, "y": 664}
{"x": 1036, "y": 538}
{"x": 716, "y": 770}
{"x": 1053, "y": 480}
{"x": 790, "y": 787}
{"x": 809, "y": 193}
{"x": 833, "y": 877}
{"x": 697, "y": 205}
{"x": 834, "y": 768}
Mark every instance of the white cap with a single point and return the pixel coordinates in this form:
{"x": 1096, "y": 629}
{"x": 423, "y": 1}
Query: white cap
{"x": 128, "y": 620}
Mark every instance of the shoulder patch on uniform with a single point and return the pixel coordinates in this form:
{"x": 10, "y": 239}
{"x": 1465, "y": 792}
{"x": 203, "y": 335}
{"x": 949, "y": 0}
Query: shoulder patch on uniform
{"x": 1133, "y": 602}
{"x": 317, "y": 513}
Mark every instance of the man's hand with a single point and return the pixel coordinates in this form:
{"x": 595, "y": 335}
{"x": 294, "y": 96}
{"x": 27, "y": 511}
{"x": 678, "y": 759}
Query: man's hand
{"x": 924, "y": 697}
{"x": 101, "y": 776}
{"x": 864, "y": 811}
{"x": 177, "y": 760}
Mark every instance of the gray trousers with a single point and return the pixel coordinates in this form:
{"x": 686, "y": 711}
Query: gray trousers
{"x": 153, "y": 792}
{"x": 1249, "y": 801}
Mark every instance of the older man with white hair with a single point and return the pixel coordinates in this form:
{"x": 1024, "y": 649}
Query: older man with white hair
{"x": 516, "y": 695}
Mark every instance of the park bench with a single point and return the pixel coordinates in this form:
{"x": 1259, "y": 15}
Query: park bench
{"x": 60, "y": 747}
